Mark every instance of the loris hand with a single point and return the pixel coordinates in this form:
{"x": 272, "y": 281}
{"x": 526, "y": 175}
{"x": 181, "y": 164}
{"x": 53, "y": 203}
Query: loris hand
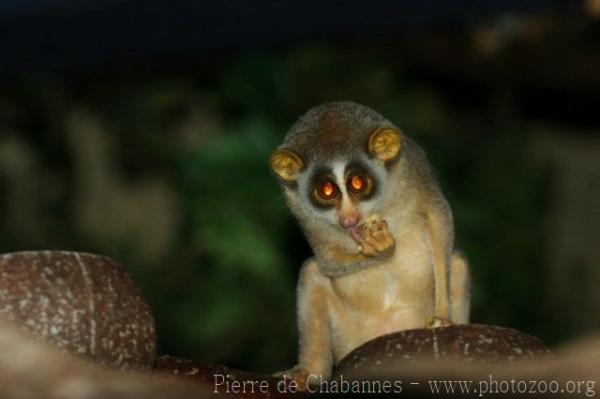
{"x": 374, "y": 238}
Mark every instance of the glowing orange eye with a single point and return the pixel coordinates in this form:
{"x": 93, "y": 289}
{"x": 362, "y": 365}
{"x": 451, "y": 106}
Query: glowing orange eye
{"x": 357, "y": 183}
{"x": 328, "y": 189}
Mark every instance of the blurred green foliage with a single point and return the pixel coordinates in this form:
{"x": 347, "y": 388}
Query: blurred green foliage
{"x": 224, "y": 290}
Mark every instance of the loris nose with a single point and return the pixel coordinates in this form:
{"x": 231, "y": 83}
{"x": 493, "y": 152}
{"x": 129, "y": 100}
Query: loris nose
{"x": 347, "y": 221}
{"x": 348, "y": 215}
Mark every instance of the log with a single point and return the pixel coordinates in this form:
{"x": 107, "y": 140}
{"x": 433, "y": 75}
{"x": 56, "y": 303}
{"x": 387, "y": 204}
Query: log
{"x": 33, "y": 369}
{"x": 478, "y": 343}
{"x": 81, "y": 303}
{"x": 494, "y": 361}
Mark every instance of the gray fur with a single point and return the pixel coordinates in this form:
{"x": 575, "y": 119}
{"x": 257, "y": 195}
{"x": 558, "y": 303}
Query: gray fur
{"x": 339, "y": 133}
{"x": 339, "y": 128}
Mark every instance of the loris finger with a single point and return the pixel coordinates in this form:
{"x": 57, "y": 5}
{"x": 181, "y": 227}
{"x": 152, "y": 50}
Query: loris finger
{"x": 382, "y": 226}
{"x": 378, "y": 241}
{"x": 368, "y": 249}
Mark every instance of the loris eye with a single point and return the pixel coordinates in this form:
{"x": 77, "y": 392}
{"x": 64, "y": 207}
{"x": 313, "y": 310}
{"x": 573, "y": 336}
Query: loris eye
{"x": 326, "y": 191}
{"x": 358, "y": 184}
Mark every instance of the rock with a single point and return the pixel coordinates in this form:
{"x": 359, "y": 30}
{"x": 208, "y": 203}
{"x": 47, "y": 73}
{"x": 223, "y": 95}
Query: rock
{"x": 472, "y": 343}
{"x": 81, "y": 303}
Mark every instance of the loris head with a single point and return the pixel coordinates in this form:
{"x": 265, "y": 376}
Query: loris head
{"x": 334, "y": 163}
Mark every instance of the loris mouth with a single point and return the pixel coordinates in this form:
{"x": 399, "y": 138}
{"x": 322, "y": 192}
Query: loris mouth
{"x": 356, "y": 233}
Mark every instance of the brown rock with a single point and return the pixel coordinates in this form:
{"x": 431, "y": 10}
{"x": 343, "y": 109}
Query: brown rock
{"x": 81, "y": 303}
{"x": 472, "y": 343}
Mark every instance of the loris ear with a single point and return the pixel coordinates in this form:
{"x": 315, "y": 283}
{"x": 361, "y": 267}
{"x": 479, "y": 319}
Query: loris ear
{"x": 286, "y": 164}
{"x": 385, "y": 143}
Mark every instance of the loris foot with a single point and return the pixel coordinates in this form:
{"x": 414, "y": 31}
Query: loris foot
{"x": 296, "y": 374}
{"x": 374, "y": 238}
{"x": 435, "y": 322}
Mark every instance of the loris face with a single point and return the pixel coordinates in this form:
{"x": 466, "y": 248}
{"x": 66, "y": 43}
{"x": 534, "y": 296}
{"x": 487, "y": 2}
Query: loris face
{"x": 333, "y": 163}
{"x": 342, "y": 193}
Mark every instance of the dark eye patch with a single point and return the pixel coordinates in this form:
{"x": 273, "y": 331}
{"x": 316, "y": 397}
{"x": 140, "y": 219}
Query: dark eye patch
{"x": 319, "y": 177}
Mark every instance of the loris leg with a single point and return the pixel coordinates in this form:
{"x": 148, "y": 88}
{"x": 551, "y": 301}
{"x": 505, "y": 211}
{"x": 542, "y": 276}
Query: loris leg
{"x": 441, "y": 234}
{"x": 315, "y": 357}
{"x": 460, "y": 288}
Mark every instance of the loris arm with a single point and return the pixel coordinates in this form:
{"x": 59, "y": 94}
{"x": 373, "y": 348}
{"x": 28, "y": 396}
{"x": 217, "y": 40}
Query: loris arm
{"x": 376, "y": 243}
{"x": 315, "y": 355}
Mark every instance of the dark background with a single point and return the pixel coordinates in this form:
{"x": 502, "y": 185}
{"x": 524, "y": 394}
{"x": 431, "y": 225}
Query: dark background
{"x": 142, "y": 131}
